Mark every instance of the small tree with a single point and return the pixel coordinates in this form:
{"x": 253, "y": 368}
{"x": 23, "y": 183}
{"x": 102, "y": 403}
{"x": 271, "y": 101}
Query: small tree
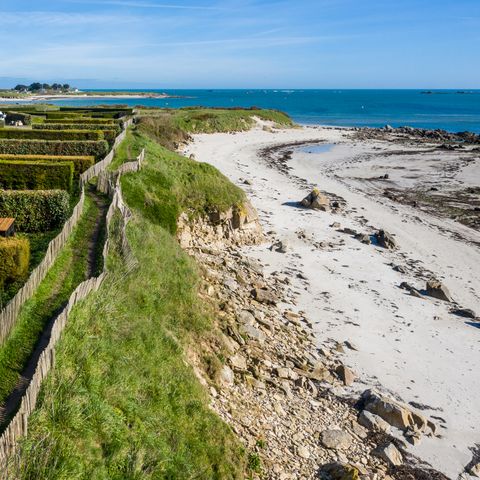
{"x": 66, "y": 86}
{"x": 20, "y": 88}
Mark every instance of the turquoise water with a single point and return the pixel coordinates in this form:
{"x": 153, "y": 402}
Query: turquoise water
{"x": 446, "y": 109}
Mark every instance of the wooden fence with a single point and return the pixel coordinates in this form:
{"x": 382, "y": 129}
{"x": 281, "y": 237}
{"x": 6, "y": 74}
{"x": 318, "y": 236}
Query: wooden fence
{"x": 18, "y": 426}
{"x": 9, "y": 315}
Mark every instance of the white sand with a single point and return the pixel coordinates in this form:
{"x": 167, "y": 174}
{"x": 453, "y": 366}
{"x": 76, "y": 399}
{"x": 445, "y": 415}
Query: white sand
{"x": 411, "y": 347}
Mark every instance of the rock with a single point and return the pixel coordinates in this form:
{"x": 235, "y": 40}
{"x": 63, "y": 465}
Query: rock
{"x": 413, "y": 291}
{"x": 303, "y": 452}
{"x": 349, "y": 344}
{"x": 413, "y": 437}
{"x": 364, "y": 238}
{"x": 316, "y": 200}
{"x": 399, "y": 269}
{"x": 345, "y": 375}
{"x": 252, "y": 332}
{"x": 245, "y": 317}
{"x": 335, "y": 439}
{"x": 385, "y": 240}
{"x": 340, "y": 471}
{"x": 395, "y": 413}
{"x": 464, "y": 312}
{"x": 475, "y": 470}
{"x": 226, "y": 375}
{"x": 335, "y": 225}
{"x": 263, "y": 295}
{"x": 438, "y": 290}
{"x": 390, "y": 454}
{"x": 238, "y": 362}
{"x": 280, "y": 247}
{"x": 373, "y": 422}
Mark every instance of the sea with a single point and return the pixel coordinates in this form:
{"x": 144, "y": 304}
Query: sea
{"x": 451, "y": 110}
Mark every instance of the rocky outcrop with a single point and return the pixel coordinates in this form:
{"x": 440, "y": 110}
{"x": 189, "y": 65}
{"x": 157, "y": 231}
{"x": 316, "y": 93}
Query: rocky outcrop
{"x": 238, "y": 225}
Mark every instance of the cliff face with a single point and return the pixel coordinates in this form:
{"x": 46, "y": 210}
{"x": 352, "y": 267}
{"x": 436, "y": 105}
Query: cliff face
{"x": 236, "y": 226}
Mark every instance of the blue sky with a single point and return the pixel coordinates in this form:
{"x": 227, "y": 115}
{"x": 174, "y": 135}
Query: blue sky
{"x": 242, "y": 44}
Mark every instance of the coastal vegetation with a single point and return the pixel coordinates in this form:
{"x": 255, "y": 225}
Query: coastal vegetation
{"x": 122, "y": 402}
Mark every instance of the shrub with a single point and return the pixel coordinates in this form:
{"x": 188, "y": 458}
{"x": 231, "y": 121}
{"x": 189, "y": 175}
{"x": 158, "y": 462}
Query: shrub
{"x": 35, "y": 175}
{"x": 20, "y": 133}
{"x": 80, "y": 164}
{"x": 35, "y": 210}
{"x": 14, "y": 259}
{"x": 50, "y": 147}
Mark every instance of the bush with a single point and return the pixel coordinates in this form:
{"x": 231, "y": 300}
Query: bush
{"x": 35, "y": 175}
{"x": 80, "y": 164}
{"x": 50, "y": 147}
{"x": 14, "y": 259}
{"x": 20, "y": 133}
{"x": 35, "y": 210}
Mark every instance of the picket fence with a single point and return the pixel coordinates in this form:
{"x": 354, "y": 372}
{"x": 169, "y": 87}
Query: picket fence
{"x": 9, "y": 315}
{"x": 18, "y": 425}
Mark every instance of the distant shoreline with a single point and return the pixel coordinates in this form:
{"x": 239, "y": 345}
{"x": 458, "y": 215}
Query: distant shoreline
{"x": 95, "y": 96}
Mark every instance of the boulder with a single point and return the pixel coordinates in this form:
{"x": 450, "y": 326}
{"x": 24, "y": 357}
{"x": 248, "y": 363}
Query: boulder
{"x": 340, "y": 471}
{"x": 252, "y": 333}
{"x": 373, "y": 422}
{"x": 345, "y": 375}
{"x": 226, "y": 376}
{"x": 336, "y": 439}
{"x": 464, "y": 312}
{"x": 280, "y": 247}
{"x": 263, "y": 295}
{"x": 475, "y": 470}
{"x": 385, "y": 240}
{"x": 437, "y": 289}
{"x": 316, "y": 200}
{"x": 389, "y": 454}
{"x": 393, "y": 412}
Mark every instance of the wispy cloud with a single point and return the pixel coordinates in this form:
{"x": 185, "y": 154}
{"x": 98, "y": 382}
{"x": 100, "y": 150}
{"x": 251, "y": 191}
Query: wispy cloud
{"x": 50, "y": 19}
{"x": 166, "y": 6}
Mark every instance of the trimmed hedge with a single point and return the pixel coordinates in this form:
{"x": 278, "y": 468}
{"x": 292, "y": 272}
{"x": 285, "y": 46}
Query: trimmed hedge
{"x": 80, "y": 164}
{"x": 83, "y": 121}
{"x": 109, "y": 131}
{"x": 35, "y": 210}
{"x": 24, "y": 134}
{"x": 14, "y": 259}
{"x": 50, "y": 147}
{"x": 36, "y": 175}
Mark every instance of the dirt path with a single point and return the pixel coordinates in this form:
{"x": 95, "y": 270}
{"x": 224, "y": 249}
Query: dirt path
{"x": 94, "y": 231}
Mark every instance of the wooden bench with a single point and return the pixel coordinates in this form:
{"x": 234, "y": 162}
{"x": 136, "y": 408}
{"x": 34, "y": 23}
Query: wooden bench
{"x": 7, "y": 228}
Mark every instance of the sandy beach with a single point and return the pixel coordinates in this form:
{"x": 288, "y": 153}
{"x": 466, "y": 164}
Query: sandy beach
{"x": 424, "y": 195}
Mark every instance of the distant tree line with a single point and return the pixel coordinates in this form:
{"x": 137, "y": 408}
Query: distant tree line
{"x": 37, "y": 86}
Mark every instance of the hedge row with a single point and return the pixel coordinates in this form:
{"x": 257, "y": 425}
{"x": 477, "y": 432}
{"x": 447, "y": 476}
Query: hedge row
{"x": 36, "y": 175}
{"x": 24, "y": 134}
{"x": 83, "y": 121}
{"x": 80, "y": 164}
{"x": 58, "y": 147}
{"x": 35, "y": 210}
{"x": 109, "y": 131}
{"x": 14, "y": 259}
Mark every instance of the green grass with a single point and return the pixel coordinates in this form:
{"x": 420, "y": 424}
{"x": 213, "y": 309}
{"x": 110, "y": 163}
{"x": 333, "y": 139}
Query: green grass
{"x": 171, "y": 184}
{"x": 171, "y": 128}
{"x": 66, "y": 273}
{"x": 128, "y": 150}
{"x": 122, "y": 402}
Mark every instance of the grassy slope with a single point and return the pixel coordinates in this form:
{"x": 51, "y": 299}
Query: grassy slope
{"x": 122, "y": 402}
{"x": 67, "y": 272}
